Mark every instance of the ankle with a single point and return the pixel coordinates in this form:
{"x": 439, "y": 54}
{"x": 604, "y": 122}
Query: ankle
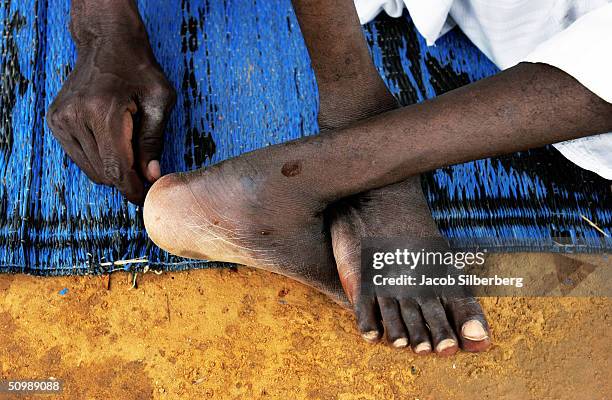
{"x": 341, "y": 104}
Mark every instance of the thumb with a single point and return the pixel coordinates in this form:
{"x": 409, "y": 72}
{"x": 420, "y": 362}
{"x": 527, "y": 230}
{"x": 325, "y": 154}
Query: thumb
{"x": 150, "y": 141}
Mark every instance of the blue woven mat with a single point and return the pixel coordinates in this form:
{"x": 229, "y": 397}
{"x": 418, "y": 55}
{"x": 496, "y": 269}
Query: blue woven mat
{"x": 244, "y": 82}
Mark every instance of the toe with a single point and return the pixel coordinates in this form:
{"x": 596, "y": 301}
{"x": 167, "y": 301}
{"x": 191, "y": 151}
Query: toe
{"x": 368, "y": 319}
{"x": 444, "y": 340}
{"x": 470, "y": 323}
{"x": 393, "y": 322}
{"x": 346, "y": 246}
{"x": 415, "y": 325}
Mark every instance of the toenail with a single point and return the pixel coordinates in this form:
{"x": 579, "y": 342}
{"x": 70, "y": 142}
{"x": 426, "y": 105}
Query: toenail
{"x": 474, "y": 330}
{"x": 446, "y": 344}
{"x": 424, "y": 347}
{"x": 370, "y": 336}
{"x": 401, "y": 342}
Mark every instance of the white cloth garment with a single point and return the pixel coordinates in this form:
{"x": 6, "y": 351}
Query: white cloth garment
{"x": 572, "y": 35}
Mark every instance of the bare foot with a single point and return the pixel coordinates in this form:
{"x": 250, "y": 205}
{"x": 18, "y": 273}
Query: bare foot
{"x": 235, "y": 212}
{"x": 260, "y": 209}
{"x": 350, "y": 90}
{"x": 440, "y": 325}
{"x": 255, "y": 210}
{"x": 267, "y": 209}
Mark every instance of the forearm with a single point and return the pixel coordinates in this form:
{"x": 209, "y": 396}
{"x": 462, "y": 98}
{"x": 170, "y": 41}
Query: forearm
{"x": 92, "y": 20}
{"x": 527, "y": 106}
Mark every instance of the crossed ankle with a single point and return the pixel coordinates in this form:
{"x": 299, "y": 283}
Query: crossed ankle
{"x": 343, "y": 106}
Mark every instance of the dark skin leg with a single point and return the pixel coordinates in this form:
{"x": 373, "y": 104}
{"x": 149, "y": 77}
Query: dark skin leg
{"x": 350, "y": 89}
{"x": 265, "y": 208}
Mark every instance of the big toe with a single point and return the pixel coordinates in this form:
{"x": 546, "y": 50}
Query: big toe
{"x": 368, "y": 319}
{"x": 470, "y": 323}
{"x": 474, "y": 336}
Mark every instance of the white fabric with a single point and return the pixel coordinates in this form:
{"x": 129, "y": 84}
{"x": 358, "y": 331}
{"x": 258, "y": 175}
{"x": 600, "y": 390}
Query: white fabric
{"x": 572, "y": 35}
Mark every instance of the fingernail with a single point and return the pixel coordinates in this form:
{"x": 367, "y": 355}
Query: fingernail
{"x": 401, "y": 342}
{"x": 473, "y": 330}
{"x": 424, "y": 347}
{"x": 154, "y": 170}
{"x": 370, "y": 336}
{"x": 445, "y": 344}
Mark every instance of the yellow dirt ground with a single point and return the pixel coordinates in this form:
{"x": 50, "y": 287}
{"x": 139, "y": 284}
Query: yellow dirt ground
{"x": 218, "y": 334}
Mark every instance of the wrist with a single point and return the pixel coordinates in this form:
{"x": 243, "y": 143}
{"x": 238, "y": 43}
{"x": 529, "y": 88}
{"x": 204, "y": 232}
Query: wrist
{"x": 93, "y": 21}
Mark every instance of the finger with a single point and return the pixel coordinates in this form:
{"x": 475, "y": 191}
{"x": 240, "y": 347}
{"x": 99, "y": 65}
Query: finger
{"x": 415, "y": 325}
{"x": 74, "y": 150}
{"x": 125, "y": 179}
{"x": 150, "y": 138}
{"x": 114, "y": 137}
{"x": 83, "y": 135}
{"x": 368, "y": 318}
{"x": 470, "y": 323}
{"x": 442, "y": 335}
{"x": 91, "y": 149}
{"x": 62, "y": 123}
{"x": 393, "y": 322}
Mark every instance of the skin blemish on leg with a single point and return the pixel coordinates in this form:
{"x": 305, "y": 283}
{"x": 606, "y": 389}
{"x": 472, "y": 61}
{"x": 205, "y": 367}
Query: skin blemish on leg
{"x": 292, "y": 168}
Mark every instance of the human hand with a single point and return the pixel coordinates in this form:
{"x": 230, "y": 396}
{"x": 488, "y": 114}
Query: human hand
{"x": 111, "y": 112}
